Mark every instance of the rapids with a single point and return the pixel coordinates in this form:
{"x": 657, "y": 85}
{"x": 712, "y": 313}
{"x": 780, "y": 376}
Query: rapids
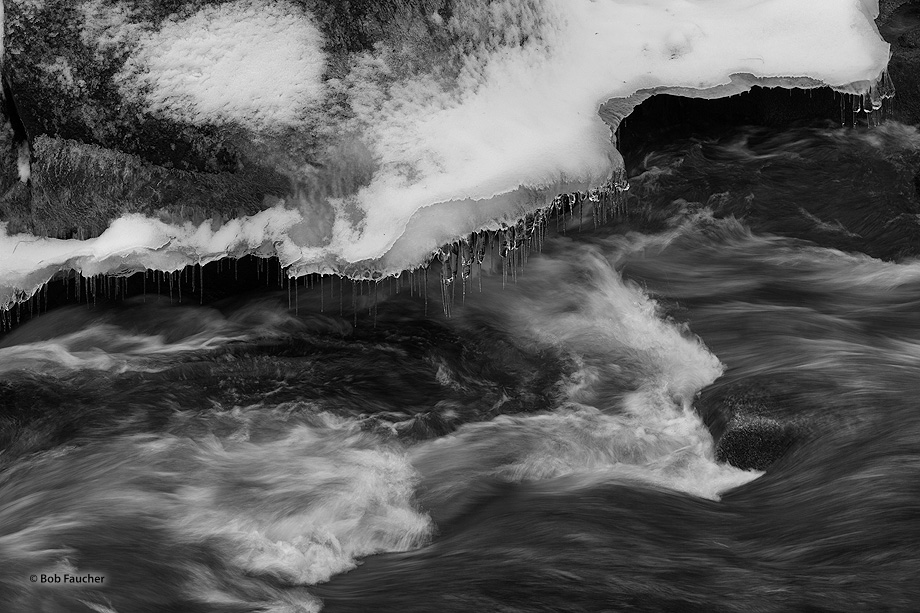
{"x": 571, "y": 438}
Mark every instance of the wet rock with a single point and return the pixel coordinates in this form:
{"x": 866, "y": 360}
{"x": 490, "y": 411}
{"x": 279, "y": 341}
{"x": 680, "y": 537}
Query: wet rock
{"x": 78, "y": 188}
{"x": 97, "y": 154}
{"x": 899, "y": 24}
{"x": 14, "y": 192}
{"x": 910, "y": 39}
{"x": 753, "y": 442}
{"x": 754, "y": 424}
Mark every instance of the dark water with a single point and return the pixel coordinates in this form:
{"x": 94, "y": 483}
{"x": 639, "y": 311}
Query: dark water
{"x": 547, "y": 448}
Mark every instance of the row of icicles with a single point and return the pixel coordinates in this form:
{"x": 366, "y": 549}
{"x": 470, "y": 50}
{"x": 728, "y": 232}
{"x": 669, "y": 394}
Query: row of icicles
{"x": 871, "y": 103}
{"x": 504, "y": 250}
{"x": 514, "y": 243}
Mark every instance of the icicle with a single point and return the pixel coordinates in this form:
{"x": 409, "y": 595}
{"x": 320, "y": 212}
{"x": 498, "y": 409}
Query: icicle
{"x": 594, "y": 198}
{"x": 518, "y": 232}
{"x": 447, "y": 278}
{"x": 503, "y": 250}
{"x": 554, "y": 211}
{"x": 466, "y": 263}
{"x": 370, "y": 306}
{"x": 479, "y": 253}
{"x": 881, "y": 90}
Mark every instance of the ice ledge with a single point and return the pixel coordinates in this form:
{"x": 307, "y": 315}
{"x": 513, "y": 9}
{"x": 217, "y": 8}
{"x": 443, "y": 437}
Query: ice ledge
{"x": 136, "y": 243}
{"x": 477, "y": 122}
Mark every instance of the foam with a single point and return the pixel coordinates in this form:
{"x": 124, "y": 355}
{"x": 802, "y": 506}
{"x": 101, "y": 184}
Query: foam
{"x": 295, "y": 509}
{"x": 656, "y": 444}
{"x": 515, "y": 123}
{"x": 626, "y": 414}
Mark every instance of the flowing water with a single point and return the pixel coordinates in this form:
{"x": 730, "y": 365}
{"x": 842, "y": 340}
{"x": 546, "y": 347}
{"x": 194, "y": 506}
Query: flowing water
{"x": 545, "y": 448}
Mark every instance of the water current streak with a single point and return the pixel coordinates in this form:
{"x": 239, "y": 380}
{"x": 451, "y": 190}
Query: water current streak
{"x": 706, "y": 405}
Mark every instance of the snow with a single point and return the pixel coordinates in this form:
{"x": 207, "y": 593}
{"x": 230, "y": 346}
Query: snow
{"x": 253, "y": 63}
{"x": 135, "y": 242}
{"x": 527, "y": 115}
{"x": 451, "y": 153}
{"x": 24, "y": 162}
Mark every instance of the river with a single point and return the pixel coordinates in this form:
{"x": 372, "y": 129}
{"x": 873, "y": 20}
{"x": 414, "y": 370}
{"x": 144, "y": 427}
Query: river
{"x": 709, "y": 403}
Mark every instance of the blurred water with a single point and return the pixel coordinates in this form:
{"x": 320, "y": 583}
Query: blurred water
{"x": 545, "y": 448}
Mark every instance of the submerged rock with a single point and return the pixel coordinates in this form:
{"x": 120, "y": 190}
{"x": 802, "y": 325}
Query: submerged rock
{"x": 754, "y": 424}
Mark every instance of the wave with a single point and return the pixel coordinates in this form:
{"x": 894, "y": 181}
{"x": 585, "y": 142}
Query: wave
{"x": 206, "y": 522}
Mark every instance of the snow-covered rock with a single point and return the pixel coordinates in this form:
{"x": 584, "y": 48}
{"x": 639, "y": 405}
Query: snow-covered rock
{"x": 362, "y": 135}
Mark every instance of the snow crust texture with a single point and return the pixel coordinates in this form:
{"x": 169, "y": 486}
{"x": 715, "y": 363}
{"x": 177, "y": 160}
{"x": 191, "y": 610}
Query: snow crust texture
{"x": 256, "y": 64}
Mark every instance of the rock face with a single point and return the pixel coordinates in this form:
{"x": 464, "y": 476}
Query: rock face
{"x": 899, "y": 24}
{"x": 96, "y": 153}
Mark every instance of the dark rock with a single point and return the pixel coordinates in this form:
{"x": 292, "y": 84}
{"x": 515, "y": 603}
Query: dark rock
{"x": 910, "y": 39}
{"x": 899, "y": 24}
{"x": 95, "y": 155}
{"x": 14, "y": 193}
{"x": 887, "y": 7}
{"x": 754, "y": 424}
{"x": 78, "y": 188}
{"x": 754, "y": 442}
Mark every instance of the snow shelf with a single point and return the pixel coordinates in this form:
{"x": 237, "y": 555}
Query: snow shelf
{"x": 472, "y": 136}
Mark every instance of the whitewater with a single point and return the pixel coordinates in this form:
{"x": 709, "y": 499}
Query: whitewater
{"x": 523, "y": 336}
{"x": 571, "y": 438}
